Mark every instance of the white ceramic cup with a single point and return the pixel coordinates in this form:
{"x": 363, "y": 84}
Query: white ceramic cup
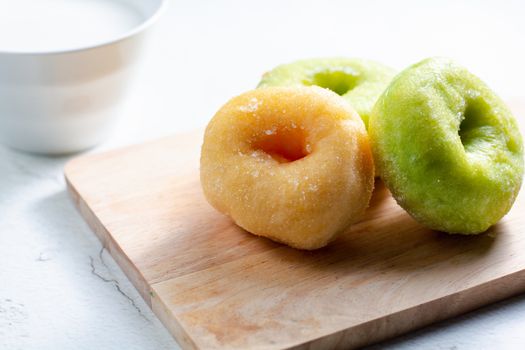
{"x": 63, "y": 101}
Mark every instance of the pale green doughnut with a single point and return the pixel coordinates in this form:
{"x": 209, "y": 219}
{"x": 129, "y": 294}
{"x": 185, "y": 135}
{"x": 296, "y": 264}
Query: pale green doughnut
{"x": 359, "y": 81}
{"x": 447, "y": 147}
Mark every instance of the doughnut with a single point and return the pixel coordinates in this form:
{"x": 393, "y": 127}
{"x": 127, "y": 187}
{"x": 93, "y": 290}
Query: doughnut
{"x": 290, "y": 164}
{"x": 447, "y": 147}
{"x": 359, "y": 81}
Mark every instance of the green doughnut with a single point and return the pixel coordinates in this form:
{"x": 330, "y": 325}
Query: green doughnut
{"x": 359, "y": 81}
{"x": 447, "y": 147}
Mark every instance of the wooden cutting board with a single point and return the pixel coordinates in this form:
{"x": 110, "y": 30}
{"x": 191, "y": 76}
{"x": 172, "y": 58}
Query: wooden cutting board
{"x": 215, "y": 286}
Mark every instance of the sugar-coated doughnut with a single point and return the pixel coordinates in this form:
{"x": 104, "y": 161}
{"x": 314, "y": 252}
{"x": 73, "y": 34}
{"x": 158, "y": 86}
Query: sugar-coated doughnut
{"x": 290, "y": 164}
{"x": 359, "y": 81}
{"x": 447, "y": 147}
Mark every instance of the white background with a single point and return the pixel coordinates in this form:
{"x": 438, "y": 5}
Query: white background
{"x": 58, "y": 292}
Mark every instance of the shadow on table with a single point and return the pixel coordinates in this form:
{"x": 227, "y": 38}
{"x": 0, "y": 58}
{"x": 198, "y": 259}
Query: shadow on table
{"x": 20, "y": 169}
{"x": 464, "y": 326}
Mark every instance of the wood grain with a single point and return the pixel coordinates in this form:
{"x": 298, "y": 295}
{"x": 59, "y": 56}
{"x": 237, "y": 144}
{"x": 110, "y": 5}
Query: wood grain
{"x": 215, "y": 286}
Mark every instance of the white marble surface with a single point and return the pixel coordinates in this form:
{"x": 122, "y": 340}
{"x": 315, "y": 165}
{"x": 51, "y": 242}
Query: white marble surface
{"x": 59, "y": 290}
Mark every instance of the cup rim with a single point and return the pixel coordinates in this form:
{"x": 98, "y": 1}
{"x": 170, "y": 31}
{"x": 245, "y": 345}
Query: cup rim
{"x": 163, "y": 4}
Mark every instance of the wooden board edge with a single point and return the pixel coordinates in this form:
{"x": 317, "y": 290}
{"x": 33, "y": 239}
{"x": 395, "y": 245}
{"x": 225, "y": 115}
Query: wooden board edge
{"x": 171, "y": 322}
{"x": 136, "y": 278}
{"x": 420, "y": 316}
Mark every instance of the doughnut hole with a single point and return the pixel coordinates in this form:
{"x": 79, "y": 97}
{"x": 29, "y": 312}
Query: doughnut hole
{"x": 472, "y": 119}
{"x": 339, "y": 80}
{"x": 477, "y": 130}
{"x": 284, "y": 145}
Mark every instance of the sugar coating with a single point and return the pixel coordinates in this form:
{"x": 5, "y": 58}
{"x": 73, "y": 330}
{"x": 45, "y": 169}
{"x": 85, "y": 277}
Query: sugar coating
{"x": 249, "y": 169}
{"x": 252, "y": 106}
